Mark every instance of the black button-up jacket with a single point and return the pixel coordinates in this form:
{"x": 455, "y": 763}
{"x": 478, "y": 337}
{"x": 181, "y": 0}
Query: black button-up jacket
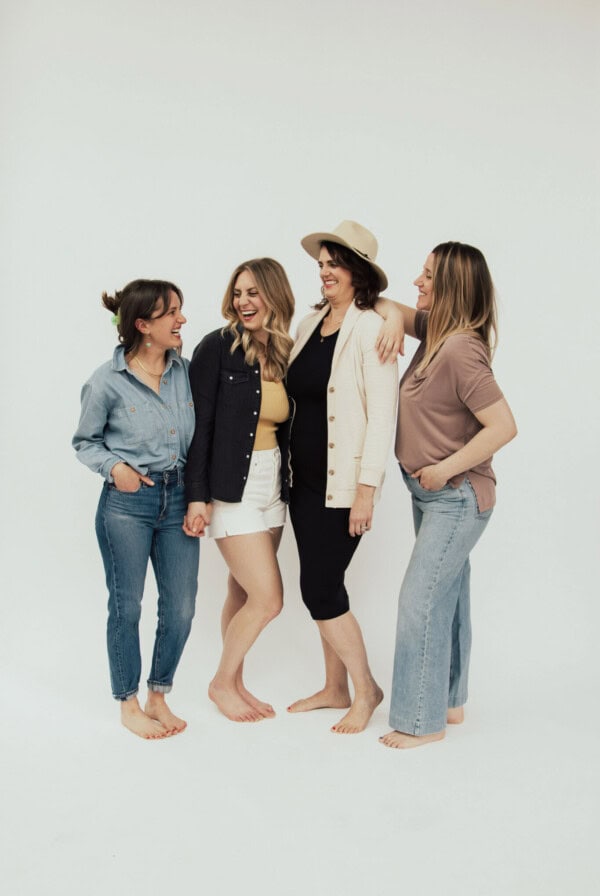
{"x": 227, "y": 394}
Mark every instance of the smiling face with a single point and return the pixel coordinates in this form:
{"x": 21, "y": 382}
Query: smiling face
{"x": 424, "y": 283}
{"x": 164, "y": 330}
{"x": 249, "y": 306}
{"x": 337, "y": 281}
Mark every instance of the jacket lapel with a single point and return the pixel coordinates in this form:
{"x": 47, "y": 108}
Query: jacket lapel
{"x": 348, "y": 324}
{"x": 307, "y": 333}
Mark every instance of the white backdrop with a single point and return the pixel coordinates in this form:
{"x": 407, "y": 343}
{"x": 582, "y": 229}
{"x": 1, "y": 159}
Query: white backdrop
{"x": 146, "y": 139}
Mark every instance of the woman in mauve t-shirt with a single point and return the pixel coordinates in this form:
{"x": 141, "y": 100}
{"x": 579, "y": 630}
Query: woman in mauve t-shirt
{"x": 452, "y": 417}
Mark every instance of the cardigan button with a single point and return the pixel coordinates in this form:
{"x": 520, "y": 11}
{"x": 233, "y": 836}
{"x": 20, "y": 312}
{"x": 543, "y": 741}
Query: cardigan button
{"x": 332, "y": 388}
{"x": 330, "y": 497}
{"x": 331, "y": 418}
{"x": 331, "y": 472}
{"x": 331, "y": 445}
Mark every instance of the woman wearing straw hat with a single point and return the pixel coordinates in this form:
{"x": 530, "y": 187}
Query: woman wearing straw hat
{"x": 345, "y": 414}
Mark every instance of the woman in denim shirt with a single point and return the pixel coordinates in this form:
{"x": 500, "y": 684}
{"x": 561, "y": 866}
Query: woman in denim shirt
{"x": 238, "y": 480}
{"x": 136, "y": 425}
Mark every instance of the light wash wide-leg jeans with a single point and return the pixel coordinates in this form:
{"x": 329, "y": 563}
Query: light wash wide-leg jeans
{"x": 433, "y": 635}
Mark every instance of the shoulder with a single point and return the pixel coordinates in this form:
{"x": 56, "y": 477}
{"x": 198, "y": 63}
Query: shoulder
{"x": 368, "y": 321}
{"x": 102, "y": 375}
{"x": 366, "y": 327}
{"x": 465, "y": 346}
{"x": 213, "y": 343}
{"x": 309, "y": 321}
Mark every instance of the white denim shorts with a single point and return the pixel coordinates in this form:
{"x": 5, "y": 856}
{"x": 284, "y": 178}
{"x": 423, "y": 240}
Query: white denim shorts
{"x": 261, "y": 507}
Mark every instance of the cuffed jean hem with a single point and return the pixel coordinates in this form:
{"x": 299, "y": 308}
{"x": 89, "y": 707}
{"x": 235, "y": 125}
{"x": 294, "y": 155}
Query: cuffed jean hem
{"x": 123, "y": 697}
{"x": 418, "y": 729}
{"x": 159, "y": 688}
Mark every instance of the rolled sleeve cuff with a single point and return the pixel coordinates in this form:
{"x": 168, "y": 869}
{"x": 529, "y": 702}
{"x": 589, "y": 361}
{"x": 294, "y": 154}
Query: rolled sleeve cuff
{"x": 370, "y": 476}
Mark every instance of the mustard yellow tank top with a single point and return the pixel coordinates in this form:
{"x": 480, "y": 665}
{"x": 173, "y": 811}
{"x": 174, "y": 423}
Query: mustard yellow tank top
{"x": 274, "y": 409}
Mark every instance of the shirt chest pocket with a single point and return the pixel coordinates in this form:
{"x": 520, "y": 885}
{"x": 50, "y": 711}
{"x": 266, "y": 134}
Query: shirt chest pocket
{"x": 234, "y": 387}
{"x": 135, "y": 423}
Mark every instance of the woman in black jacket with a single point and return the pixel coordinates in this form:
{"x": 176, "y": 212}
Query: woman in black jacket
{"x": 237, "y": 475}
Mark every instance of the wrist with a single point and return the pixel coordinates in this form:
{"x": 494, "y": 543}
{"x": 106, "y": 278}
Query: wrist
{"x": 365, "y": 492}
{"x": 445, "y": 468}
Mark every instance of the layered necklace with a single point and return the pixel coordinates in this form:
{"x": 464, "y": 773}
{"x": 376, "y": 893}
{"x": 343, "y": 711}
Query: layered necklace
{"x": 145, "y": 369}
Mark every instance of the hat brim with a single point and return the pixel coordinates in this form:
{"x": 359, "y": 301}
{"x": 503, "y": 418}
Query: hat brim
{"x": 312, "y": 245}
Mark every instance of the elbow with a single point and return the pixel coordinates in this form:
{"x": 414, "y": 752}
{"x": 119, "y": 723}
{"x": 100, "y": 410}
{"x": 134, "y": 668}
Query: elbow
{"x": 509, "y": 433}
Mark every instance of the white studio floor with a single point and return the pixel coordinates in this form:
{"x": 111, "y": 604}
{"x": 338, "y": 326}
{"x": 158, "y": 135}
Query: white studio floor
{"x": 505, "y": 805}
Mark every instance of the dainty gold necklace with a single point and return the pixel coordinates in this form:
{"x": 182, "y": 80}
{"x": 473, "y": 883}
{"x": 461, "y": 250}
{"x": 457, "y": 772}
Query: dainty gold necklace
{"x": 338, "y": 324}
{"x": 145, "y": 369}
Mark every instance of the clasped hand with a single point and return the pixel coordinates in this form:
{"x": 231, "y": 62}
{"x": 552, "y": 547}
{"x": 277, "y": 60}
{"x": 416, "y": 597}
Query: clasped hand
{"x": 197, "y": 518}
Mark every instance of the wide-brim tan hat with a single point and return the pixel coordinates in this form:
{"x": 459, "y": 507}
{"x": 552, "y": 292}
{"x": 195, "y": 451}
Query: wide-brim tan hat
{"x": 354, "y": 237}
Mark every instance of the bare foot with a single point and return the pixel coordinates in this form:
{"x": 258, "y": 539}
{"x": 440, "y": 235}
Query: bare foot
{"x": 360, "y": 712}
{"x": 456, "y": 715}
{"x": 401, "y": 741}
{"x": 328, "y": 698}
{"x": 156, "y": 707}
{"x": 265, "y": 709}
{"x": 232, "y": 705}
{"x": 135, "y": 719}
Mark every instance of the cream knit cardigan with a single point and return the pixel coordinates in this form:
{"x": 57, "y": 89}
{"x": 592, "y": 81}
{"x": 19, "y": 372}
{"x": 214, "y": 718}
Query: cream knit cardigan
{"x": 362, "y": 396}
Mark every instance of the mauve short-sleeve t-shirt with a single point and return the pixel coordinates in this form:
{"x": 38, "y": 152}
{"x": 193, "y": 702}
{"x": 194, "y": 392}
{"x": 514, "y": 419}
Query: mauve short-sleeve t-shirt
{"x": 436, "y": 411}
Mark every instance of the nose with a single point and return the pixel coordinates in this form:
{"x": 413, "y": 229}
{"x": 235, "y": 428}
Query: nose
{"x": 418, "y": 280}
{"x": 182, "y": 319}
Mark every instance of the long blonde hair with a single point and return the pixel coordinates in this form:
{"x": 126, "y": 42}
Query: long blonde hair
{"x": 275, "y": 291}
{"x": 463, "y": 299}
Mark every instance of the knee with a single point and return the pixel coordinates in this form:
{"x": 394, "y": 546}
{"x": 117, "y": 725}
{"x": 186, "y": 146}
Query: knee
{"x": 235, "y": 592}
{"x": 272, "y": 608}
{"x": 187, "y": 611}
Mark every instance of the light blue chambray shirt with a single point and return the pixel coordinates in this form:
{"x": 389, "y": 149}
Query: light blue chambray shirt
{"x": 122, "y": 419}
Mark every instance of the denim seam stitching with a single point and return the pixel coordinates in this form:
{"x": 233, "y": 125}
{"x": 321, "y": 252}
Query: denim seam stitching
{"x": 435, "y": 580}
{"x": 116, "y": 591}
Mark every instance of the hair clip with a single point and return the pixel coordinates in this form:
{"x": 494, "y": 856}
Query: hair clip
{"x": 116, "y": 319}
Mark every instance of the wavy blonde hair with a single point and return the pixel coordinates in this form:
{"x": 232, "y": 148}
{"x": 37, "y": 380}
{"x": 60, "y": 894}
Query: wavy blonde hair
{"x": 275, "y": 291}
{"x": 463, "y": 299}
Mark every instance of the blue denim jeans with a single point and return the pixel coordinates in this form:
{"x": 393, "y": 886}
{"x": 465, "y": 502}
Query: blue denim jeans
{"x": 132, "y": 528}
{"x": 433, "y": 636}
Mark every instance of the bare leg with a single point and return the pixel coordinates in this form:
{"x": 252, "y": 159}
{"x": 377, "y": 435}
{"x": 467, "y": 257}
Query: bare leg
{"x": 253, "y": 564}
{"x": 235, "y": 600}
{"x": 156, "y": 707}
{"x": 335, "y": 694}
{"x": 401, "y": 741}
{"x": 456, "y": 715}
{"x": 344, "y": 635}
{"x": 135, "y": 719}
